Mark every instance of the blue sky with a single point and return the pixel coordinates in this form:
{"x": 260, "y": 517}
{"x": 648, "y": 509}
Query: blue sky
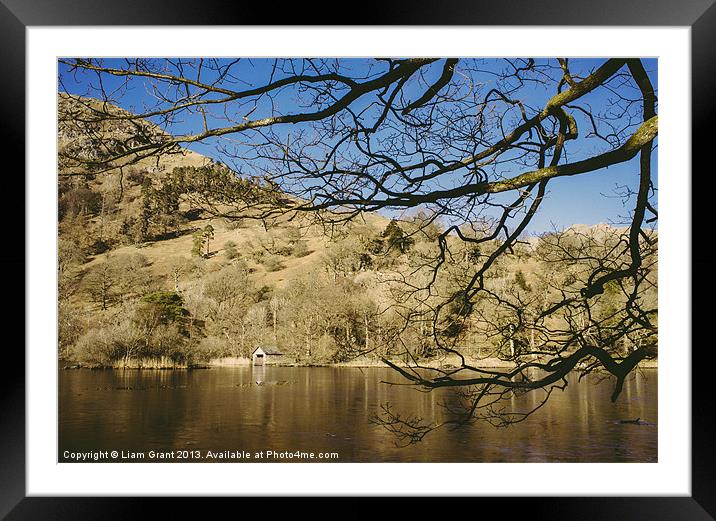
{"x": 569, "y": 201}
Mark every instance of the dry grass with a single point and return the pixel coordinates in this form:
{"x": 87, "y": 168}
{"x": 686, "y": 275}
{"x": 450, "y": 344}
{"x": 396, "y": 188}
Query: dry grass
{"x": 248, "y": 237}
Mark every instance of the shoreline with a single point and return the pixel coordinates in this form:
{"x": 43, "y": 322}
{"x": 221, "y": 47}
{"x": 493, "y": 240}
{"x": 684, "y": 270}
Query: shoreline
{"x": 362, "y": 364}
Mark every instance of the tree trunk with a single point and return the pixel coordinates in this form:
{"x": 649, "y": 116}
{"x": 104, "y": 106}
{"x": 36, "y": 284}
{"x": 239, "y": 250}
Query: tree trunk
{"x": 365, "y": 318}
{"x": 532, "y": 337}
{"x": 275, "y": 338}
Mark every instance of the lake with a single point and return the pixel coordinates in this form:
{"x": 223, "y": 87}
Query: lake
{"x": 181, "y": 415}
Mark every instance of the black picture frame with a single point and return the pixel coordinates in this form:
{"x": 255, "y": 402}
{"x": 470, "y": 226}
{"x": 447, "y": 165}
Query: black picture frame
{"x": 700, "y": 15}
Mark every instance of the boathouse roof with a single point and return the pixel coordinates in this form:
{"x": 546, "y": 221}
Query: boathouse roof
{"x": 269, "y": 350}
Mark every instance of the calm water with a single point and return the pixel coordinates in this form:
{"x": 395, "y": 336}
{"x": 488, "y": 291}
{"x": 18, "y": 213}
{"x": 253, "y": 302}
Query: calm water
{"x": 326, "y": 409}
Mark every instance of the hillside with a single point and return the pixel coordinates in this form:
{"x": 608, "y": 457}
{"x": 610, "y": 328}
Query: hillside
{"x": 120, "y": 240}
{"x": 158, "y": 268}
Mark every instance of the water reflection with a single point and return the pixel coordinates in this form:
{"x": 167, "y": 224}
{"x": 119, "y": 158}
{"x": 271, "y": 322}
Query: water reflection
{"x": 328, "y": 409}
{"x": 259, "y": 372}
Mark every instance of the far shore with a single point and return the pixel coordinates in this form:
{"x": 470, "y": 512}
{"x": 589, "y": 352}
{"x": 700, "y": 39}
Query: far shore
{"x": 444, "y": 363}
{"x": 440, "y": 363}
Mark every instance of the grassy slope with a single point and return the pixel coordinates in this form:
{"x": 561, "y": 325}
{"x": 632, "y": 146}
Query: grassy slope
{"x": 159, "y": 253}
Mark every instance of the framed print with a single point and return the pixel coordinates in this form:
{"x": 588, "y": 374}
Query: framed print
{"x": 421, "y": 260}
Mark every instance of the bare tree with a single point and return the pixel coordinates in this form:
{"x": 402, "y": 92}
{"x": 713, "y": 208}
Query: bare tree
{"x": 474, "y": 143}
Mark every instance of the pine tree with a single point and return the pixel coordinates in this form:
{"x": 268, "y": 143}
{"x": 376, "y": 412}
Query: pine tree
{"x": 208, "y": 234}
{"x": 395, "y": 237}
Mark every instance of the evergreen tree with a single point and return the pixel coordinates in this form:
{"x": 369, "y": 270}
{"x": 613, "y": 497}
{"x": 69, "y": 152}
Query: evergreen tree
{"x": 396, "y": 238}
{"x": 208, "y": 234}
